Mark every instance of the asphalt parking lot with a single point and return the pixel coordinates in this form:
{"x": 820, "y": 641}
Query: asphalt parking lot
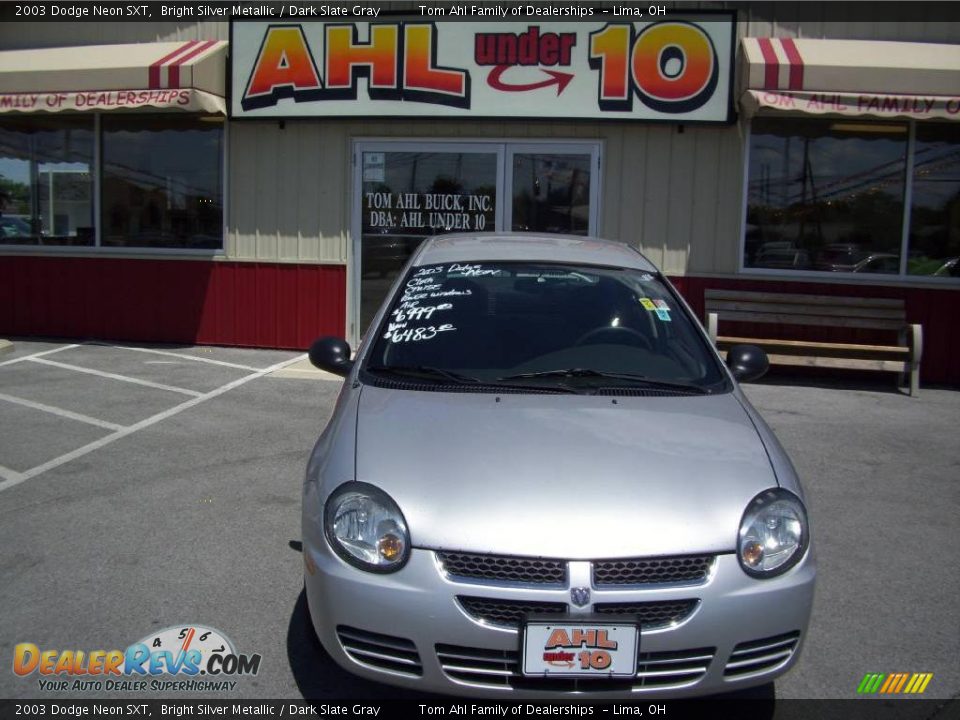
{"x": 143, "y": 488}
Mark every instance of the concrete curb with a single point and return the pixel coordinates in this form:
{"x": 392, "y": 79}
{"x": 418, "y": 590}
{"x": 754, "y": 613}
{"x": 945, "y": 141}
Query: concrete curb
{"x": 304, "y": 370}
{"x": 5, "y": 346}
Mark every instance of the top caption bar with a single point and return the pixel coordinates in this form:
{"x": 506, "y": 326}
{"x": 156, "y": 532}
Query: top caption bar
{"x": 216, "y": 10}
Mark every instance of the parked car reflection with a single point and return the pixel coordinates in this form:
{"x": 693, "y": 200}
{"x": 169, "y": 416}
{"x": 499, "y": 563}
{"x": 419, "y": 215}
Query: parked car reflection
{"x": 787, "y": 258}
{"x": 14, "y": 227}
{"x": 878, "y": 263}
{"x": 839, "y": 257}
{"x": 950, "y": 268}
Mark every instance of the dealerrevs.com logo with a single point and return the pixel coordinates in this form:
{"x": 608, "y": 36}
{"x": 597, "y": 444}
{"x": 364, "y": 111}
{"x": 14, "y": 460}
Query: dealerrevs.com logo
{"x": 179, "y": 658}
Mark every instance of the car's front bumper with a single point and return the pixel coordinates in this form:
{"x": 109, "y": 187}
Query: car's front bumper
{"x": 408, "y": 629}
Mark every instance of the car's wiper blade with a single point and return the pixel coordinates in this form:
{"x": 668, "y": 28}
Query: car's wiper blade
{"x": 459, "y": 378}
{"x": 591, "y": 373}
{"x": 564, "y": 372}
{"x": 424, "y": 370}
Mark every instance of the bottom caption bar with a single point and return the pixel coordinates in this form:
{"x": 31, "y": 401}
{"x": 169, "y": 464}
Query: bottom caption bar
{"x": 713, "y": 708}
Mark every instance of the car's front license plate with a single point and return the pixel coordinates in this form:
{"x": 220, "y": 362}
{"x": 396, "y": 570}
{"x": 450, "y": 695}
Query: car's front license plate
{"x": 583, "y": 649}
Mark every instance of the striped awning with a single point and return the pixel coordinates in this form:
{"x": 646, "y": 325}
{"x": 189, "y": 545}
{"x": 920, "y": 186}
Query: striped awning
{"x": 186, "y": 76}
{"x": 851, "y": 77}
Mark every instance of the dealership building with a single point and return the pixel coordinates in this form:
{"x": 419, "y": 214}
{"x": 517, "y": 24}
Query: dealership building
{"x": 260, "y": 182}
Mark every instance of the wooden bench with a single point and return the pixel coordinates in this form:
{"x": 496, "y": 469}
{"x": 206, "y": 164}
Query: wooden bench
{"x": 822, "y": 311}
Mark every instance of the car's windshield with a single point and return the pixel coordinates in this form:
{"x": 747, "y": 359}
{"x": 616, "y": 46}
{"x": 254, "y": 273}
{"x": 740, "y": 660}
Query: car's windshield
{"x": 520, "y": 322}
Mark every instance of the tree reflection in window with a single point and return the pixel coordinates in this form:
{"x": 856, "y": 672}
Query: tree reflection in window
{"x": 825, "y": 195}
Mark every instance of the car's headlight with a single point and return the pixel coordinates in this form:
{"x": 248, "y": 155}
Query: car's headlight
{"x": 773, "y": 533}
{"x": 366, "y": 528}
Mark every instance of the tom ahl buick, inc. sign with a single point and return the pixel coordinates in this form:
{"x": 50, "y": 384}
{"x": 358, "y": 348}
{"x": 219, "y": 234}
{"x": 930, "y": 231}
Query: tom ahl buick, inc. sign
{"x": 677, "y": 69}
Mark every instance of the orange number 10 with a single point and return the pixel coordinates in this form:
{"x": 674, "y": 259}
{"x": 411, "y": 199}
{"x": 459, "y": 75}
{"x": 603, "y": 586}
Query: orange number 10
{"x": 671, "y": 66}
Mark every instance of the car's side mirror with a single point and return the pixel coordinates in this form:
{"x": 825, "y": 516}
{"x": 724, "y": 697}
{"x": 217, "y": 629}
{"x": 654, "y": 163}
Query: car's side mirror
{"x": 331, "y": 354}
{"x": 747, "y": 362}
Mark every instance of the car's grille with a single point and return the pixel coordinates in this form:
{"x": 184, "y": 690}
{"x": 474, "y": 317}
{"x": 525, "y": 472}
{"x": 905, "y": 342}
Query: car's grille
{"x": 686, "y": 569}
{"x": 500, "y": 668}
{"x": 504, "y": 568}
{"x": 477, "y": 665}
{"x": 652, "y": 615}
{"x": 383, "y": 652}
{"x": 673, "y": 669}
{"x": 759, "y": 656}
{"x": 644, "y": 571}
{"x": 507, "y": 613}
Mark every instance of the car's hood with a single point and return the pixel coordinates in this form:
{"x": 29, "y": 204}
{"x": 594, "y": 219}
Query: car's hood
{"x": 569, "y": 476}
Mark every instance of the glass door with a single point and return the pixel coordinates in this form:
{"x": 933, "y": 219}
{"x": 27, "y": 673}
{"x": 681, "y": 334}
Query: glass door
{"x": 410, "y": 191}
{"x": 405, "y": 191}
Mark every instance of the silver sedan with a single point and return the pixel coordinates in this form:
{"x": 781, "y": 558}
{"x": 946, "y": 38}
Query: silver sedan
{"x": 541, "y": 481}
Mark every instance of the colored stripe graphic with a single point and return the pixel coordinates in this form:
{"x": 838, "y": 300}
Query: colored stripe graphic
{"x": 796, "y": 63}
{"x": 894, "y": 683}
{"x": 870, "y": 683}
{"x": 174, "y": 69}
{"x": 155, "y": 67}
{"x": 771, "y": 66}
{"x": 918, "y": 683}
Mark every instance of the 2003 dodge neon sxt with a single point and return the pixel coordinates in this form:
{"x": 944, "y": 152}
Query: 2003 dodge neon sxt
{"x": 540, "y": 480}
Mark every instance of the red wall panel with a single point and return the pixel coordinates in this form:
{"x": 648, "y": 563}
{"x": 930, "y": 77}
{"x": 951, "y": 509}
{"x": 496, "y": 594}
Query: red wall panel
{"x": 275, "y": 305}
{"x": 217, "y": 303}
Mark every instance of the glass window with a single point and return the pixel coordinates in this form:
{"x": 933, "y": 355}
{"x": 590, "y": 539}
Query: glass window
{"x": 46, "y": 180}
{"x": 935, "y": 208}
{"x": 524, "y": 321}
{"x": 551, "y": 193}
{"x": 825, "y": 195}
{"x": 162, "y": 181}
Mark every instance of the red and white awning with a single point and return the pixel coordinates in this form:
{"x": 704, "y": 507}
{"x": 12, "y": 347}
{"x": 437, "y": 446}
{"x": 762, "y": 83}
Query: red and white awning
{"x": 851, "y": 77}
{"x": 185, "y": 76}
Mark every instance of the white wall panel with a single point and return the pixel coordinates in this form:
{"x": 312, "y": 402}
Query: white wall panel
{"x": 290, "y": 188}
{"x": 269, "y": 201}
{"x": 289, "y": 191}
{"x": 678, "y": 237}
{"x": 707, "y": 176}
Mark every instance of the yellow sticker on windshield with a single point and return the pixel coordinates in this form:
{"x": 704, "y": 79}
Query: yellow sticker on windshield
{"x": 648, "y": 304}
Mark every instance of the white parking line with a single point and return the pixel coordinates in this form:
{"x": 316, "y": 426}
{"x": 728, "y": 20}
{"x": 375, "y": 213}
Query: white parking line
{"x": 210, "y": 361}
{"x": 37, "y": 354}
{"x": 12, "y": 478}
{"x": 61, "y": 412}
{"x": 114, "y": 376}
